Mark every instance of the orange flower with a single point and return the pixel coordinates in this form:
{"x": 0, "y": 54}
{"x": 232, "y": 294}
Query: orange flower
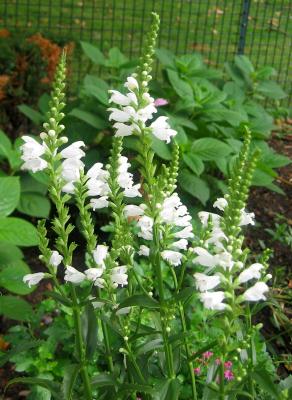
{"x": 4, "y": 33}
{"x": 4, "y": 79}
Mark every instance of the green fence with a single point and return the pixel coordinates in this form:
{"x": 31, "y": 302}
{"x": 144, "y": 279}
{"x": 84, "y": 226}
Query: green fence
{"x": 261, "y": 29}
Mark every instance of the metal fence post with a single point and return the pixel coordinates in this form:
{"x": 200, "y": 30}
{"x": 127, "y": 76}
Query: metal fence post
{"x": 243, "y": 25}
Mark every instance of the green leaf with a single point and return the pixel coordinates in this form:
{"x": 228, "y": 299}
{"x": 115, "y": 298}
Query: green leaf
{"x": 9, "y": 253}
{"x": 210, "y": 149}
{"x": 244, "y": 64}
{"x": 116, "y": 58}
{"x": 140, "y": 300}
{"x": 59, "y": 298}
{"x": 97, "y": 88}
{"x": 166, "y": 57}
{"x": 53, "y": 387}
{"x": 29, "y": 183}
{"x": 161, "y": 148}
{"x": 194, "y": 163}
{"x": 181, "y": 87}
{"x": 194, "y": 186}
{"x": 9, "y": 194}
{"x": 271, "y": 89}
{"x": 89, "y": 118}
{"x": 5, "y": 145}
{"x": 11, "y": 277}
{"x": 93, "y": 53}
{"x": 19, "y": 348}
{"x": 184, "y": 294}
{"x": 152, "y": 345}
{"x": 18, "y": 232}
{"x": 15, "y": 308}
{"x": 103, "y": 379}
{"x": 89, "y": 330}
{"x": 35, "y": 116}
{"x": 70, "y": 375}
{"x": 34, "y": 204}
{"x": 265, "y": 381}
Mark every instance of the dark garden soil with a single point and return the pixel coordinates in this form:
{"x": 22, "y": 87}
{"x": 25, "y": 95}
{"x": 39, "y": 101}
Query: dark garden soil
{"x": 276, "y": 320}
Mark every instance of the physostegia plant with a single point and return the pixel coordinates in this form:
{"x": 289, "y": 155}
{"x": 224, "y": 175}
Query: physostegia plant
{"x": 168, "y": 312}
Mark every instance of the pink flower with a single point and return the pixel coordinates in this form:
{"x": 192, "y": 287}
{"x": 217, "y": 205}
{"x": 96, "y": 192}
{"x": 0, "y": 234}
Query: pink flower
{"x": 197, "y": 370}
{"x": 217, "y": 361}
{"x": 228, "y": 375}
{"x": 207, "y": 355}
{"x": 228, "y": 364}
{"x": 160, "y": 102}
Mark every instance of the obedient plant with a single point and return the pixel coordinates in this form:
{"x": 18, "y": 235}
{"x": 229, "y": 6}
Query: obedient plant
{"x": 174, "y": 307}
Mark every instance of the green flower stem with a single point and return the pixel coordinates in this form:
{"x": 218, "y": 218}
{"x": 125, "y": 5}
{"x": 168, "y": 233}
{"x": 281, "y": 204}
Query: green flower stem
{"x": 221, "y": 383}
{"x": 80, "y": 346}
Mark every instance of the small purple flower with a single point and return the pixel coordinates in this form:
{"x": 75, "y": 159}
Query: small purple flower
{"x": 228, "y": 375}
{"x": 160, "y": 102}
{"x": 197, "y": 370}
{"x": 207, "y": 355}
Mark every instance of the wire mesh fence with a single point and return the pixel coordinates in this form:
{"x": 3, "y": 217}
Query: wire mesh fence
{"x": 219, "y": 29}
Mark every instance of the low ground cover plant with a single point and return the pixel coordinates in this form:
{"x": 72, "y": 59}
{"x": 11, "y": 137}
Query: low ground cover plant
{"x": 157, "y": 309}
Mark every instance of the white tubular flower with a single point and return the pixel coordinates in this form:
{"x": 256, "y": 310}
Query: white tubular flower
{"x": 68, "y": 188}
{"x": 146, "y": 96}
{"x": 144, "y": 251}
{"x": 73, "y": 150}
{"x": 55, "y": 259}
{"x": 256, "y": 292}
{"x": 97, "y": 172}
{"x": 121, "y": 116}
{"x": 173, "y": 257}
{"x": 204, "y": 217}
{"x": 102, "y": 202}
{"x": 181, "y": 244}
{"x": 224, "y": 259}
{"x": 146, "y": 113}
{"x": 119, "y": 98}
{"x": 132, "y": 84}
{"x": 73, "y": 275}
{"x": 31, "y": 149}
{"x": 205, "y": 282}
{"x": 33, "y": 279}
{"x": 93, "y": 273}
{"x": 124, "y": 129}
{"x": 100, "y": 254}
{"x": 100, "y": 282}
{"x": 145, "y": 224}
{"x": 71, "y": 169}
{"x": 213, "y": 300}
{"x": 34, "y": 165}
{"x": 97, "y": 187}
{"x": 252, "y": 272}
{"x": 119, "y": 276}
{"x": 133, "y": 191}
{"x": 183, "y": 221}
{"x": 204, "y": 258}
{"x": 216, "y": 238}
{"x": 220, "y": 203}
{"x": 246, "y": 218}
{"x": 162, "y": 130}
{"x": 133, "y": 211}
{"x": 186, "y": 233}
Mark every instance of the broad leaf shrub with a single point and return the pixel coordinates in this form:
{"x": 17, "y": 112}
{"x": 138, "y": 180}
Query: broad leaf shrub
{"x": 159, "y": 311}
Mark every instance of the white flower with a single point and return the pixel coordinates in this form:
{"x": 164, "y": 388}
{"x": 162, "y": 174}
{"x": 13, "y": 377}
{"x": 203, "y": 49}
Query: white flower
{"x": 181, "y": 244}
{"x": 93, "y": 273}
{"x": 55, "y": 258}
{"x": 144, "y": 251}
{"x": 145, "y": 113}
{"x": 133, "y": 211}
{"x": 173, "y": 257}
{"x": 133, "y": 191}
{"x": 31, "y": 149}
{"x": 162, "y": 130}
{"x": 97, "y": 172}
{"x": 99, "y": 282}
{"x": 119, "y": 275}
{"x": 100, "y": 254}
{"x": 220, "y": 203}
{"x": 102, "y": 202}
{"x": 120, "y": 115}
{"x": 33, "y": 279}
{"x": 217, "y": 236}
{"x": 224, "y": 259}
{"x": 145, "y": 224}
{"x": 97, "y": 187}
{"x": 146, "y": 96}
{"x": 206, "y": 282}
{"x": 72, "y": 275}
{"x": 124, "y": 129}
{"x": 69, "y": 188}
{"x": 246, "y": 218}
{"x": 204, "y": 258}
{"x": 119, "y": 98}
{"x": 213, "y": 300}
{"x": 204, "y": 217}
{"x": 250, "y": 273}
{"x": 34, "y": 165}
{"x": 131, "y": 83}
{"x": 73, "y": 150}
{"x": 71, "y": 169}
{"x": 185, "y": 233}
{"x": 256, "y": 292}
